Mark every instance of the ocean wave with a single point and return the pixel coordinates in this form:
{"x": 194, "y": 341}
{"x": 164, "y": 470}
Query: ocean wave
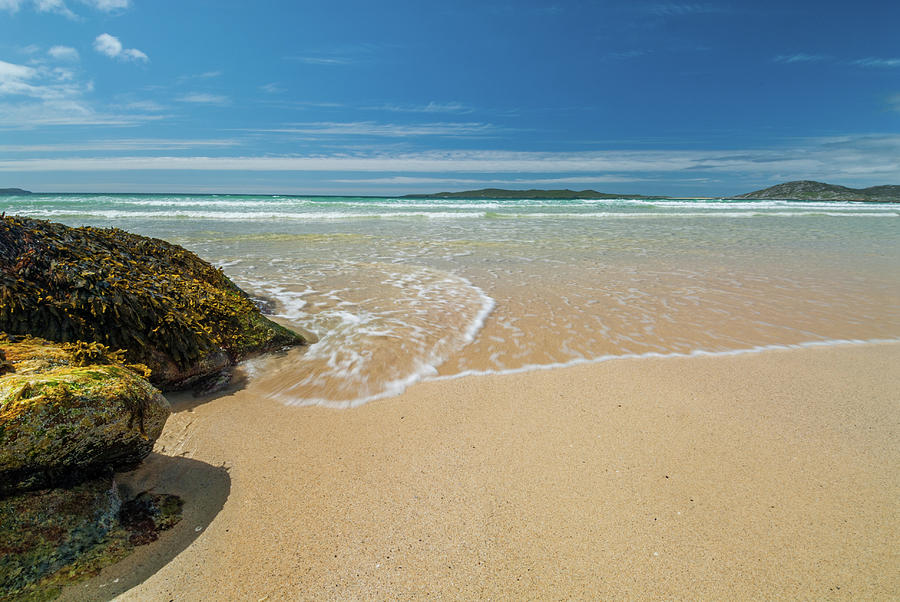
{"x": 433, "y": 215}
{"x": 375, "y": 347}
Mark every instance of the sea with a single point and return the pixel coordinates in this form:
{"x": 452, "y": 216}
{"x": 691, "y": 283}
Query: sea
{"x": 399, "y": 290}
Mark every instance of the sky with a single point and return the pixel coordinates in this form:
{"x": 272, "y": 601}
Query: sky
{"x": 381, "y": 98}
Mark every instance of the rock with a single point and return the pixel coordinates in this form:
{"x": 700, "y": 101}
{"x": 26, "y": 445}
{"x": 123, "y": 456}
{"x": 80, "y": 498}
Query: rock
{"x": 71, "y": 411}
{"x": 164, "y": 306}
{"x": 42, "y": 531}
{"x": 56, "y": 537}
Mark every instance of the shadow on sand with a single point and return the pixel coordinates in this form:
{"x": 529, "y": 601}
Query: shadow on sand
{"x": 204, "y": 489}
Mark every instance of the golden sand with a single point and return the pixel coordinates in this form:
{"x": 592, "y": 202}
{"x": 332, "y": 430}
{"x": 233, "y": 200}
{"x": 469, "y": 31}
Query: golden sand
{"x": 771, "y": 475}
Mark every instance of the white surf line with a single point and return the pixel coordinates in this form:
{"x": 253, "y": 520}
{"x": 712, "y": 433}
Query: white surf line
{"x": 658, "y": 355}
{"x": 426, "y": 373}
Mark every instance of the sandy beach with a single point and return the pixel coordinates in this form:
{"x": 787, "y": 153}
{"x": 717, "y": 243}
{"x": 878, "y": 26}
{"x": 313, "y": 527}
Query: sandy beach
{"x": 768, "y": 475}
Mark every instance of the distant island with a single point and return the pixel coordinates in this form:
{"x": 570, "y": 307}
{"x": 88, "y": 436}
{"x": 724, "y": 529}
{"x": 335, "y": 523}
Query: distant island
{"x": 808, "y": 190}
{"x": 500, "y": 193}
{"x": 800, "y": 190}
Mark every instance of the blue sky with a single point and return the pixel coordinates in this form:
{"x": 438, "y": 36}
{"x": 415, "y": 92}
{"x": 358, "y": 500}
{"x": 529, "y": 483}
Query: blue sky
{"x": 354, "y": 97}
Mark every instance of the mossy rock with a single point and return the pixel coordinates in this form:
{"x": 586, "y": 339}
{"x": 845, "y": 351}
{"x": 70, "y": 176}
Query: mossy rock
{"x": 62, "y": 421}
{"x": 43, "y": 531}
{"x": 53, "y": 538}
{"x": 161, "y": 304}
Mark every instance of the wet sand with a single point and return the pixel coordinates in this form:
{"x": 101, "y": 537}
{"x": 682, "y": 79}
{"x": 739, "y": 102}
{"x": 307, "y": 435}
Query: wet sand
{"x": 770, "y": 475}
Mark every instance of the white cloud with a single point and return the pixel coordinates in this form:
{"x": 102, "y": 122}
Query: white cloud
{"x": 10, "y": 5}
{"x": 43, "y": 95}
{"x": 108, "y": 5}
{"x": 870, "y": 157}
{"x": 388, "y": 130}
{"x": 431, "y": 107}
{"x": 147, "y": 144}
{"x": 63, "y": 53}
{"x": 799, "y": 58}
{"x": 878, "y": 62}
{"x": 41, "y": 82}
{"x": 206, "y": 75}
{"x": 322, "y": 60}
{"x": 144, "y": 105}
{"x": 59, "y": 6}
{"x": 10, "y": 72}
{"x": 112, "y": 47}
{"x": 54, "y": 6}
{"x": 271, "y": 88}
{"x": 68, "y": 112}
{"x": 135, "y": 54}
{"x": 208, "y": 99}
{"x": 403, "y": 180}
{"x": 108, "y": 45}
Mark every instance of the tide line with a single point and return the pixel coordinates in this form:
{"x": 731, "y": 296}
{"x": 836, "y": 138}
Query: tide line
{"x": 658, "y": 355}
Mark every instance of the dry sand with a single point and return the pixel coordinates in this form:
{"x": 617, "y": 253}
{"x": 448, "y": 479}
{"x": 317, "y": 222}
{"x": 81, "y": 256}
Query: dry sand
{"x": 772, "y": 475}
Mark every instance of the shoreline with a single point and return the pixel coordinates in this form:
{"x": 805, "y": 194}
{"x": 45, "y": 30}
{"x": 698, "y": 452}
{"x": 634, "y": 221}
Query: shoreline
{"x": 756, "y": 475}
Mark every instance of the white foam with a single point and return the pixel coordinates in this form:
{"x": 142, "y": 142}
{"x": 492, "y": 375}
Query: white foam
{"x": 661, "y": 355}
{"x": 348, "y": 350}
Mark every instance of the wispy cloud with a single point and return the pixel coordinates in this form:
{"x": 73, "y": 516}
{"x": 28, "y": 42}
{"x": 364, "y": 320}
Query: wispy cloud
{"x": 431, "y": 107}
{"x": 10, "y": 5}
{"x": 195, "y": 76}
{"x": 869, "y": 62}
{"x": 63, "y": 112}
{"x": 110, "y": 46}
{"x": 867, "y": 157}
{"x": 800, "y": 57}
{"x": 347, "y": 54}
{"x": 121, "y": 145}
{"x": 59, "y": 7}
{"x": 388, "y": 130}
{"x": 63, "y": 53}
{"x": 43, "y": 96}
{"x": 321, "y": 60}
{"x": 142, "y": 105}
{"x": 108, "y": 6}
{"x": 38, "y": 82}
{"x": 877, "y": 62}
{"x": 271, "y": 88}
{"x": 404, "y": 180}
{"x": 54, "y": 6}
{"x": 205, "y": 99}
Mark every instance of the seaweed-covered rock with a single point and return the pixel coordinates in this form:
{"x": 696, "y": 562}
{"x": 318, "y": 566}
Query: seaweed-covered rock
{"x": 160, "y": 303}
{"x": 71, "y": 411}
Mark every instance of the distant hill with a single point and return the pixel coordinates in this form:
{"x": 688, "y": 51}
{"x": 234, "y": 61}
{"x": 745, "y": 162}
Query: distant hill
{"x": 500, "y": 193}
{"x": 807, "y": 190}
{"x": 10, "y": 191}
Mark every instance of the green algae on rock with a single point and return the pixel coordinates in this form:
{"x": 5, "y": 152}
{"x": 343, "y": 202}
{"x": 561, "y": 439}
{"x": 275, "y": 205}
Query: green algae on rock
{"x": 62, "y": 421}
{"x": 160, "y": 303}
{"x": 53, "y": 538}
{"x": 42, "y": 531}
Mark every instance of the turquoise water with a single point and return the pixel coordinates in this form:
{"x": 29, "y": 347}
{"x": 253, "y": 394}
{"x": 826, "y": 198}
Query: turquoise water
{"x": 264, "y": 208}
{"x": 404, "y": 289}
